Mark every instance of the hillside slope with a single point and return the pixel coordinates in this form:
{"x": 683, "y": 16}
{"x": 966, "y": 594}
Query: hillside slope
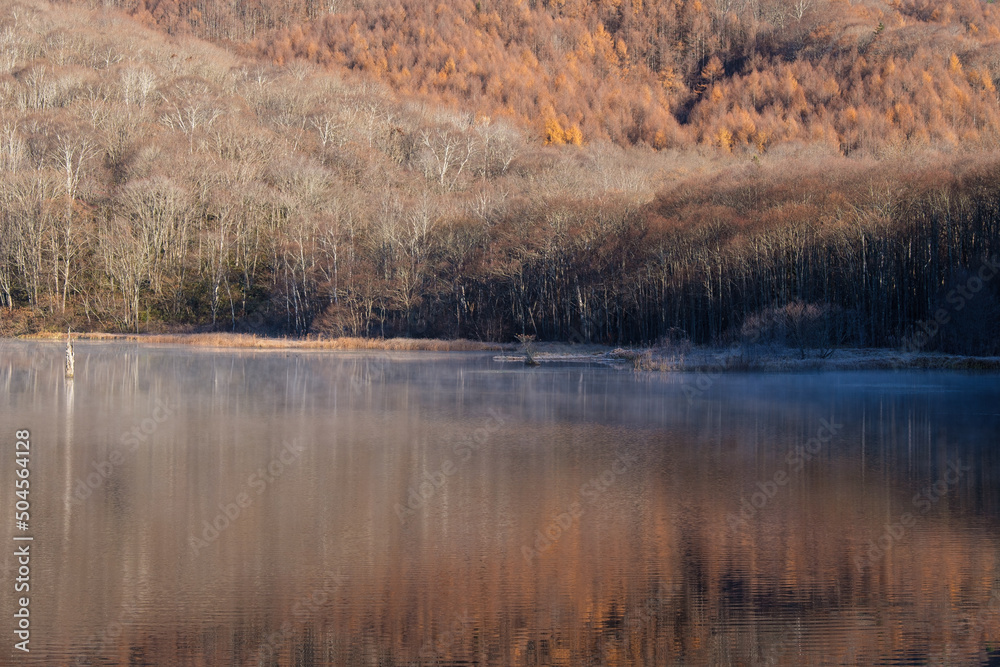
{"x": 154, "y": 181}
{"x": 742, "y": 75}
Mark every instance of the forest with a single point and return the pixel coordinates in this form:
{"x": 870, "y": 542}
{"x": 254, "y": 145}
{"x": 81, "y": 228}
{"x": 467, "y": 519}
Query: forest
{"x": 741, "y": 75}
{"x": 624, "y": 173}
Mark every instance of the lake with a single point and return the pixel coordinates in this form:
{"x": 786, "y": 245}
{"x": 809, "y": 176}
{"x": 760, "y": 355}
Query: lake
{"x": 215, "y": 507}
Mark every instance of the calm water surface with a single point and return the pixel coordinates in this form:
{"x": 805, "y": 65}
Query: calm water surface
{"x": 207, "y": 507}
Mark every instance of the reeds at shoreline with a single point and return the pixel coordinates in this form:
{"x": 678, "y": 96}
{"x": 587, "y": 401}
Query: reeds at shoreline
{"x": 238, "y": 340}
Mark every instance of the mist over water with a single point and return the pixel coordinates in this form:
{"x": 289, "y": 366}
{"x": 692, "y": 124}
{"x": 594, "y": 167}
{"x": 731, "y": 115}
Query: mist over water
{"x": 195, "y": 506}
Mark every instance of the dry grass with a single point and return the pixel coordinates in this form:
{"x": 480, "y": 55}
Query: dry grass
{"x": 233, "y": 340}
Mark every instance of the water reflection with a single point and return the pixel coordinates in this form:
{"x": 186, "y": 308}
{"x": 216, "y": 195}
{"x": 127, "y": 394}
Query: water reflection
{"x": 209, "y": 507}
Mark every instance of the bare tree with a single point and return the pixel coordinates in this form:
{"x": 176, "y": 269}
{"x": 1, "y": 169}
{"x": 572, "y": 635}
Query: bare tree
{"x": 331, "y": 126}
{"x": 136, "y": 86}
{"x": 13, "y": 150}
{"x": 126, "y": 259}
{"x": 160, "y": 212}
{"x": 447, "y": 153}
{"x": 8, "y": 238}
{"x": 217, "y": 246}
{"x": 500, "y": 144}
{"x": 30, "y": 202}
{"x": 192, "y": 107}
{"x": 71, "y": 151}
{"x": 10, "y": 48}
{"x": 297, "y": 265}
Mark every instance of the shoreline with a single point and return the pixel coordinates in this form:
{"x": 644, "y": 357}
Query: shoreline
{"x": 720, "y": 360}
{"x": 252, "y": 341}
{"x": 684, "y": 359}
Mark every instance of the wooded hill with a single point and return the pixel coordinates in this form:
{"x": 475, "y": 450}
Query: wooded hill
{"x": 153, "y": 180}
{"x": 743, "y": 75}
